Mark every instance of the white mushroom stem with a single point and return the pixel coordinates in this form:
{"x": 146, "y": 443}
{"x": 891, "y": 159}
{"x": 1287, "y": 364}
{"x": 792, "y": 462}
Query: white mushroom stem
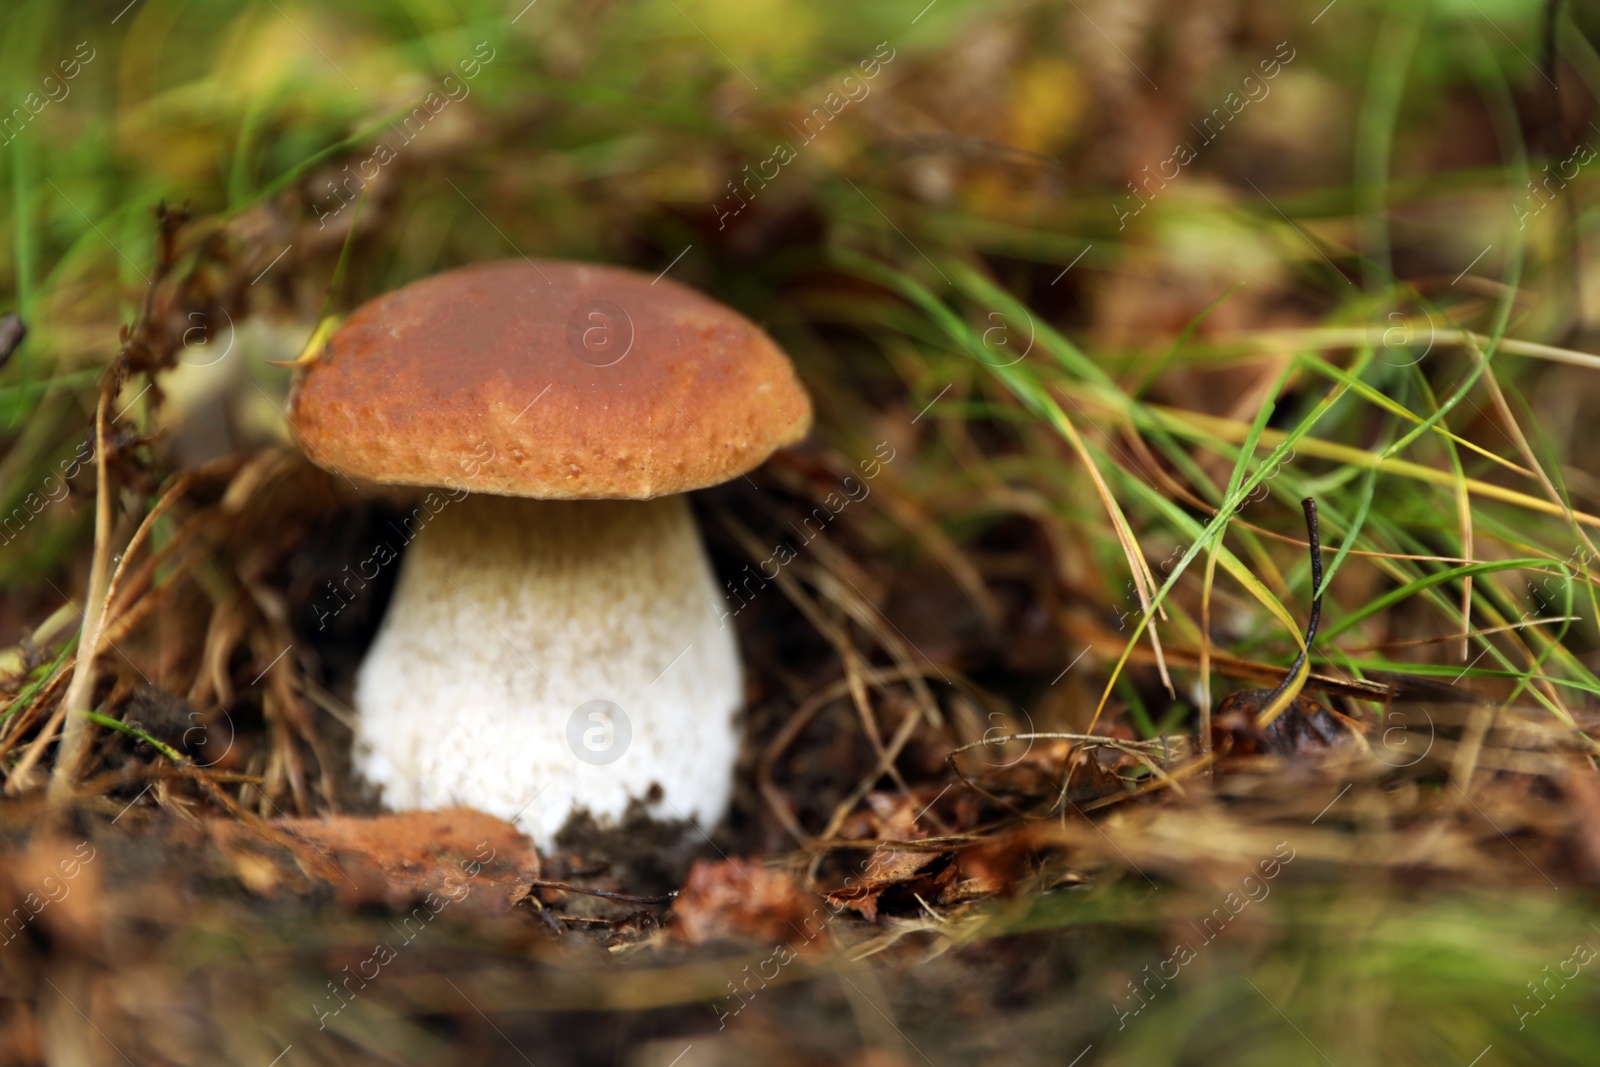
{"x": 517, "y": 630}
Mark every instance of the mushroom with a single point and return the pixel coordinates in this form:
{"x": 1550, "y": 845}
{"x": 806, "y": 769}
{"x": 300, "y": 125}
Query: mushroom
{"x": 557, "y": 641}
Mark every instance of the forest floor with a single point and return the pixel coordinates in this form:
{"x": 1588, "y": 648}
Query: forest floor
{"x": 1099, "y": 293}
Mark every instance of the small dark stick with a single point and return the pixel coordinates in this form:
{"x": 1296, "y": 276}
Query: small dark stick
{"x": 12, "y": 332}
{"x": 540, "y": 883}
{"x": 1283, "y": 721}
{"x": 1310, "y": 506}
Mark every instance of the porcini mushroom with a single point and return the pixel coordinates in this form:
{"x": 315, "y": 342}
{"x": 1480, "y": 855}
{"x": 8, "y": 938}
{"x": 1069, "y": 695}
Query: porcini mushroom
{"x": 557, "y": 641}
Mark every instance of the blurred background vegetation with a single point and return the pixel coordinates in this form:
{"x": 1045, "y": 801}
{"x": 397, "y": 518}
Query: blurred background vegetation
{"x": 1226, "y": 253}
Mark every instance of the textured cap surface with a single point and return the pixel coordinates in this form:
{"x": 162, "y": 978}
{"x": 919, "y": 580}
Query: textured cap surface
{"x": 548, "y": 379}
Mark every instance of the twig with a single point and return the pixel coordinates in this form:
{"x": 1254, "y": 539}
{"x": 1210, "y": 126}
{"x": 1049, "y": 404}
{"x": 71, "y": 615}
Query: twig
{"x": 1084, "y": 742}
{"x": 626, "y": 898}
{"x": 75, "y": 729}
{"x": 1205, "y": 652}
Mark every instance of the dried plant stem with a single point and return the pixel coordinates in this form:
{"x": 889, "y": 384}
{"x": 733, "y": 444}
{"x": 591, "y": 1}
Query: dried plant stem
{"x": 76, "y": 729}
{"x": 1144, "y": 580}
{"x": 1205, "y": 652}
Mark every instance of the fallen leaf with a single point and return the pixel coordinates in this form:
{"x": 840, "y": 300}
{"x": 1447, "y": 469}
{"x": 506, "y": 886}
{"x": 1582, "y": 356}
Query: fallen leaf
{"x": 739, "y": 900}
{"x": 900, "y": 874}
{"x": 458, "y": 854}
{"x": 1304, "y": 729}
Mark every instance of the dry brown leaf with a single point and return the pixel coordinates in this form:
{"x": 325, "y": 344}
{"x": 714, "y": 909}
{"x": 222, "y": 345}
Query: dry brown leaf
{"x": 900, "y": 874}
{"x": 1304, "y": 729}
{"x": 458, "y": 854}
{"x": 739, "y": 900}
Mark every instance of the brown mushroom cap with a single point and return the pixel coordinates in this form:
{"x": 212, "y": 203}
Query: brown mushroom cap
{"x": 548, "y": 379}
